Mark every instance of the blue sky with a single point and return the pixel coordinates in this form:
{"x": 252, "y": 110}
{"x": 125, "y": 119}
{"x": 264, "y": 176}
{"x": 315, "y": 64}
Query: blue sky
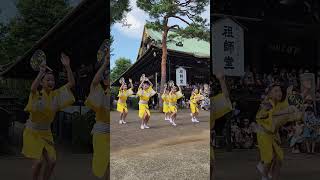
{"x": 124, "y": 46}
{"x": 127, "y": 39}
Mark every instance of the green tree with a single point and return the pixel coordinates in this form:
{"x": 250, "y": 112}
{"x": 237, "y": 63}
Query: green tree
{"x": 119, "y": 8}
{"x": 121, "y": 65}
{"x": 33, "y": 20}
{"x": 186, "y": 11}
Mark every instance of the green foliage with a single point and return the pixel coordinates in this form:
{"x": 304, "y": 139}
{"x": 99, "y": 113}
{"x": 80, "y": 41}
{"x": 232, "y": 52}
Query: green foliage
{"x": 187, "y": 11}
{"x": 114, "y": 91}
{"x": 119, "y": 8}
{"x": 121, "y": 65}
{"x": 34, "y": 19}
{"x": 135, "y": 103}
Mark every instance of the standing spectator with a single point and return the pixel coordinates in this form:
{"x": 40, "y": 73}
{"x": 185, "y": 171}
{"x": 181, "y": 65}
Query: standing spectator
{"x": 318, "y": 79}
{"x": 236, "y": 112}
{"x": 183, "y": 103}
{"x": 318, "y": 102}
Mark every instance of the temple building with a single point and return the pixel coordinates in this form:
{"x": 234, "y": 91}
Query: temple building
{"x": 277, "y": 32}
{"x": 188, "y": 60}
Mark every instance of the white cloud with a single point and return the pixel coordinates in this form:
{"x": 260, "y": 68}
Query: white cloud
{"x": 206, "y": 14}
{"x": 136, "y": 18}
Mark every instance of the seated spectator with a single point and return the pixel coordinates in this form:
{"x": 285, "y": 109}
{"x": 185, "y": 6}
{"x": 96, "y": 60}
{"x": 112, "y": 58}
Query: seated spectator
{"x": 235, "y": 135}
{"x": 308, "y": 102}
{"x": 295, "y": 136}
{"x": 311, "y": 129}
{"x": 246, "y": 135}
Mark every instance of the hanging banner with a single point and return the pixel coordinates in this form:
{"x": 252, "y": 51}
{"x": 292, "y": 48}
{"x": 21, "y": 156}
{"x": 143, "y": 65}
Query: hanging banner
{"x": 228, "y": 47}
{"x": 181, "y": 76}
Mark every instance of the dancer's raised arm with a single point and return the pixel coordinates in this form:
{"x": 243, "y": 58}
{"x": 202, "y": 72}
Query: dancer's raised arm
{"x": 66, "y": 63}
{"x": 131, "y": 85}
{"x": 223, "y": 85}
{"x": 121, "y": 87}
{"x": 140, "y": 86}
{"x": 150, "y": 82}
{"x": 36, "y": 82}
{"x": 165, "y": 89}
{"x": 99, "y": 75}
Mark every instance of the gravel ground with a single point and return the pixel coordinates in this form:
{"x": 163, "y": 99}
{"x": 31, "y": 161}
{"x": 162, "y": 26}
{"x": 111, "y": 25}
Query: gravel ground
{"x": 69, "y": 166}
{"x": 241, "y": 163}
{"x": 161, "y": 152}
{"x": 164, "y": 152}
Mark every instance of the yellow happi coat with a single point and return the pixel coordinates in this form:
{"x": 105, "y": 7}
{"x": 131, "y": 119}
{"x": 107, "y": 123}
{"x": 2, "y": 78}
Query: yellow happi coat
{"x": 172, "y": 100}
{"x": 165, "y": 100}
{"x": 221, "y": 106}
{"x": 194, "y": 99}
{"x": 122, "y": 101}
{"x": 98, "y": 101}
{"x": 144, "y": 96}
{"x": 42, "y": 108}
{"x": 268, "y": 137}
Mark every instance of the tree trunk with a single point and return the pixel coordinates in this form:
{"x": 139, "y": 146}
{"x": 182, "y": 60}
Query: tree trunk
{"x": 163, "y": 60}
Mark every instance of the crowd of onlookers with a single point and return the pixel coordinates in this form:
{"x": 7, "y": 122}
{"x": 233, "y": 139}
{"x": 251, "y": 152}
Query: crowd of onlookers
{"x": 303, "y": 136}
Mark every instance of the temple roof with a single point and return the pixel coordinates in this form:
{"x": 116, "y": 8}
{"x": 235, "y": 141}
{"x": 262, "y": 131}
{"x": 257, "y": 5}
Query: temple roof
{"x": 80, "y": 34}
{"x": 192, "y": 46}
{"x": 148, "y": 60}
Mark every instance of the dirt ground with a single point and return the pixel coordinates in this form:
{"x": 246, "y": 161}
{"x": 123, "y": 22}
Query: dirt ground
{"x": 241, "y": 163}
{"x": 69, "y": 166}
{"x": 161, "y": 152}
{"x": 164, "y": 152}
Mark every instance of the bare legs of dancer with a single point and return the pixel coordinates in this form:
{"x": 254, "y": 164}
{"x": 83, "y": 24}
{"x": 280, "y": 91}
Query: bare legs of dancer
{"x": 123, "y": 116}
{"x": 194, "y": 117}
{"x": 46, "y": 163}
{"x": 272, "y": 170}
{"x": 144, "y": 121}
{"x": 173, "y": 118}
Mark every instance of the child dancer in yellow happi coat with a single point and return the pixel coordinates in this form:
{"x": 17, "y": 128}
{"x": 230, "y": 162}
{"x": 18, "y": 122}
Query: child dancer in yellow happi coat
{"x": 173, "y": 97}
{"x": 123, "y": 95}
{"x": 145, "y": 92}
{"x": 194, "y": 103}
{"x": 165, "y": 100}
{"x": 272, "y": 115}
{"x": 37, "y": 137}
{"x": 221, "y": 105}
{"x": 99, "y": 101}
